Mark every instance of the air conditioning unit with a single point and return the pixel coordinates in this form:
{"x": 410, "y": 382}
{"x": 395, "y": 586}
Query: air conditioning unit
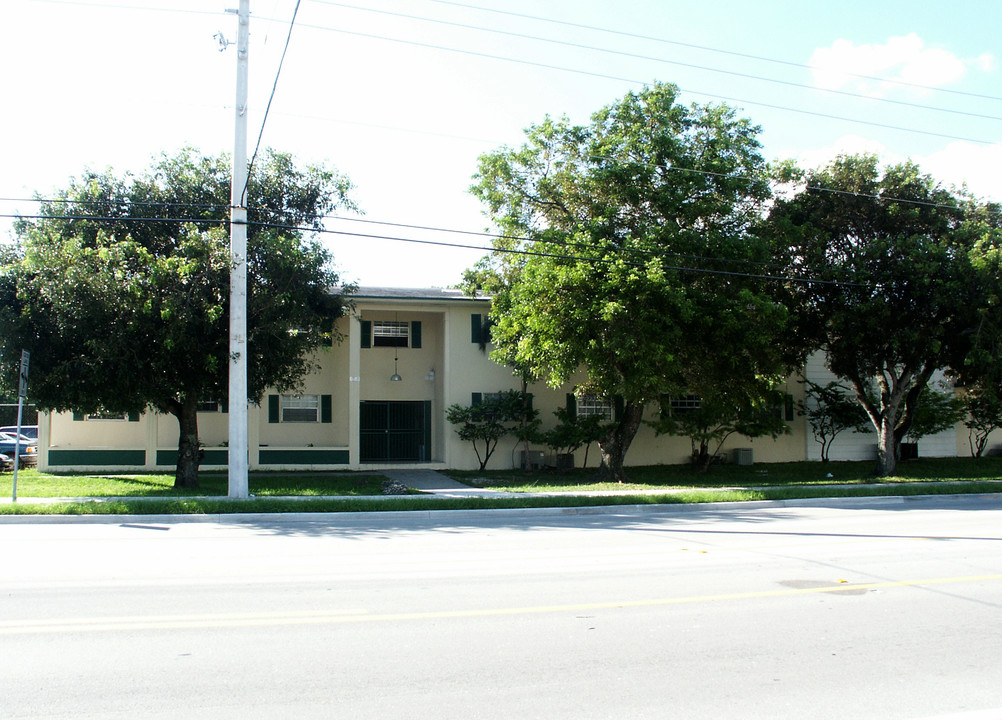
{"x": 743, "y": 456}
{"x": 534, "y": 459}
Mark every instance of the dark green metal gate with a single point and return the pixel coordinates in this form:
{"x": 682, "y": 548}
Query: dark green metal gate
{"x": 395, "y": 431}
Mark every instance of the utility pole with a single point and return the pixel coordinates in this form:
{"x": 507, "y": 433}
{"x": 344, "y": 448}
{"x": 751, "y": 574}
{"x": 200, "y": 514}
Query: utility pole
{"x": 238, "y": 451}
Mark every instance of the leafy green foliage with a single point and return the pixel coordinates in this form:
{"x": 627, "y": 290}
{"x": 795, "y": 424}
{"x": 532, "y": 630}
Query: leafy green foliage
{"x": 829, "y": 411}
{"x": 982, "y": 404}
{"x": 719, "y": 416}
{"x": 121, "y": 289}
{"x": 486, "y": 422}
{"x": 612, "y": 239}
{"x": 573, "y": 431}
{"x": 938, "y": 409}
{"x": 889, "y": 297}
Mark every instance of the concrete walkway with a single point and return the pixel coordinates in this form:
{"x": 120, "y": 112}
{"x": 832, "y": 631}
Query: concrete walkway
{"x": 430, "y": 481}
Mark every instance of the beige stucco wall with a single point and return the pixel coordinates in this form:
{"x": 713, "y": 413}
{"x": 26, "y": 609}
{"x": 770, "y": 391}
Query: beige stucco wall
{"x": 66, "y": 432}
{"x": 447, "y": 369}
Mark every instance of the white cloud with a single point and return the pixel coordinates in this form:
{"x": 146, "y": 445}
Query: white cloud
{"x": 845, "y": 145}
{"x": 963, "y": 162}
{"x": 904, "y": 58}
{"x": 957, "y": 163}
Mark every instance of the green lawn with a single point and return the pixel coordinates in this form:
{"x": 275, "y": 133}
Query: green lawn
{"x": 31, "y": 483}
{"x": 154, "y": 494}
{"x": 663, "y": 477}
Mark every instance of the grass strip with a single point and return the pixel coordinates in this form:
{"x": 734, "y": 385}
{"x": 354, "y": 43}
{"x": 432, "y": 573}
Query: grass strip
{"x": 219, "y": 506}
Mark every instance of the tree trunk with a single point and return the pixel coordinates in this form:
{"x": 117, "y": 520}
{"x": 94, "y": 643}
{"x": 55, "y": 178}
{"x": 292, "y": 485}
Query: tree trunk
{"x": 887, "y": 448}
{"x": 894, "y": 413}
{"x": 615, "y": 444}
{"x": 188, "y": 452}
{"x": 527, "y": 465}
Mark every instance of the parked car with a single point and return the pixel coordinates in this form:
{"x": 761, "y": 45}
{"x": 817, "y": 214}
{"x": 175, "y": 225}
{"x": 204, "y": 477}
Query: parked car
{"x": 30, "y": 431}
{"x": 6, "y": 463}
{"x": 26, "y": 450}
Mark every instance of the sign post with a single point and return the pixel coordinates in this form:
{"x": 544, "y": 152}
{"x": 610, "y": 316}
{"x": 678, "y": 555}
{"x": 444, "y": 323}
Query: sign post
{"x": 22, "y": 393}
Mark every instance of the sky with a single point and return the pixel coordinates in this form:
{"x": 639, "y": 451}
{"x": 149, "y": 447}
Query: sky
{"x": 403, "y": 96}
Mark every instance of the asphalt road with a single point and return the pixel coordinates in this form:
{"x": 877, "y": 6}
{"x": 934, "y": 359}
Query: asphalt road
{"x": 878, "y": 609}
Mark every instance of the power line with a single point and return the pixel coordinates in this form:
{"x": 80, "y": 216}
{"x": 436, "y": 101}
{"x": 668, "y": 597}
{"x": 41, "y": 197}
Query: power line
{"x": 520, "y": 238}
{"x": 604, "y": 76}
{"x": 637, "y": 56}
{"x": 563, "y": 256}
{"x": 440, "y": 243}
{"x": 274, "y": 87}
{"x": 748, "y": 56}
{"x": 140, "y": 203}
{"x": 116, "y": 218}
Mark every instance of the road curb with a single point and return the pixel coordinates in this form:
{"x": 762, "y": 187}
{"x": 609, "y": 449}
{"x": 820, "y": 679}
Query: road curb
{"x": 366, "y": 517}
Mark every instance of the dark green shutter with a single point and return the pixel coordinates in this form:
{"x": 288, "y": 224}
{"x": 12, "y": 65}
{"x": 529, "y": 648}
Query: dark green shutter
{"x": 133, "y": 417}
{"x": 528, "y": 401}
{"x": 476, "y": 328}
{"x": 78, "y": 415}
{"x": 572, "y": 406}
{"x": 415, "y": 333}
{"x": 789, "y": 408}
{"x": 273, "y": 408}
{"x": 366, "y": 333}
{"x": 325, "y": 409}
{"x": 618, "y": 406}
{"x": 477, "y": 399}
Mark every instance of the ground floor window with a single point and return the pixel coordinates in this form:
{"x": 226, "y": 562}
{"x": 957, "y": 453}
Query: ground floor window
{"x": 685, "y": 403}
{"x": 594, "y": 405}
{"x": 301, "y": 408}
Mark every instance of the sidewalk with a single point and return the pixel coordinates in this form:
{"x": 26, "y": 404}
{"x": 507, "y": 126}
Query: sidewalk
{"x": 431, "y": 481}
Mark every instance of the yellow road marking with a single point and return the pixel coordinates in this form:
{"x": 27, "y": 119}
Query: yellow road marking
{"x": 230, "y": 620}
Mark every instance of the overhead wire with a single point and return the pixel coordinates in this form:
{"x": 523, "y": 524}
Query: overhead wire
{"x": 564, "y": 256}
{"x": 440, "y": 243}
{"x": 634, "y": 81}
{"x": 678, "y": 43}
{"x": 651, "y": 58}
{"x": 271, "y": 97}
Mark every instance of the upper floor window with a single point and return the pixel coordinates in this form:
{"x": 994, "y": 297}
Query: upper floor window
{"x": 390, "y": 333}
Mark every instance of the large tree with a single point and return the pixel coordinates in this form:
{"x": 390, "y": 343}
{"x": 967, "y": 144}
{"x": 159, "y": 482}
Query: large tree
{"x": 625, "y": 253}
{"x": 893, "y": 295}
{"x": 120, "y": 288}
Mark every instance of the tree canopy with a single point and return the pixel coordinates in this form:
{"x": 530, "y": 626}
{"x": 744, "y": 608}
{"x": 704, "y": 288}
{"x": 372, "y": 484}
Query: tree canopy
{"x": 120, "y": 288}
{"x": 892, "y": 292}
{"x": 627, "y": 253}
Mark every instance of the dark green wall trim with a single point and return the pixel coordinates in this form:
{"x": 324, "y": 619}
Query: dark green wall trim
{"x": 303, "y": 457}
{"x": 212, "y": 457}
{"x": 62, "y": 458}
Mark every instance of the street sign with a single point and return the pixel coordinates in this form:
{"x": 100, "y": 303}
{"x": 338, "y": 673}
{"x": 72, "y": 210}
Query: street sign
{"x": 23, "y": 388}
